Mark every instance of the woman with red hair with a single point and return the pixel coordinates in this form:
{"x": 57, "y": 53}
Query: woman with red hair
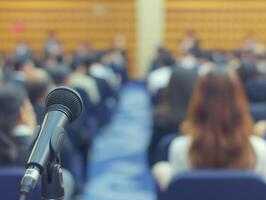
{"x": 218, "y": 131}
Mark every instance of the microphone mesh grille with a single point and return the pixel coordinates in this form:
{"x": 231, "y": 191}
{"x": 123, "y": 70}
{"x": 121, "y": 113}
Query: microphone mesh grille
{"x": 66, "y": 97}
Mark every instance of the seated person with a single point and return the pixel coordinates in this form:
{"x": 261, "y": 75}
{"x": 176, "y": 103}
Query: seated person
{"x": 17, "y": 122}
{"x": 79, "y": 79}
{"x": 172, "y": 110}
{"x": 218, "y": 131}
{"x": 60, "y": 74}
{"x": 159, "y": 78}
{"x": 38, "y": 85}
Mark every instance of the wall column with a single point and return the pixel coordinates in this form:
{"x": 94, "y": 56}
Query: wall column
{"x": 150, "y": 32}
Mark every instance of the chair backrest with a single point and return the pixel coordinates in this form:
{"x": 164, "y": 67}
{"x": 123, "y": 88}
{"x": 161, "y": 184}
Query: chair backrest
{"x": 10, "y": 178}
{"x": 162, "y": 151}
{"x": 258, "y": 110}
{"x": 216, "y": 185}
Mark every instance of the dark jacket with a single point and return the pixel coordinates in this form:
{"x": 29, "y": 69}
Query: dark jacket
{"x": 170, "y": 113}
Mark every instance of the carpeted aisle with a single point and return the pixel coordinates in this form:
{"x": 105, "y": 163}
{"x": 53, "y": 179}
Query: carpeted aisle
{"x": 118, "y": 170}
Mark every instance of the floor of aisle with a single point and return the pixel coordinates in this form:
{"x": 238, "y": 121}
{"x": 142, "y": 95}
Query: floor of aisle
{"x": 118, "y": 169}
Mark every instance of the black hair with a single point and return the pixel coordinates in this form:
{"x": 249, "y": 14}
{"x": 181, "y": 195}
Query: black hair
{"x": 38, "y": 88}
{"x": 247, "y": 70}
{"x": 59, "y": 74}
{"x": 98, "y": 56}
{"x": 166, "y": 58}
{"x": 79, "y": 61}
{"x": 20, "y": 62}
{"x": 12, "y": 98}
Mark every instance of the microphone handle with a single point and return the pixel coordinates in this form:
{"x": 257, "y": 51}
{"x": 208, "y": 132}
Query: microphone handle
{"x": 49, "y": 140}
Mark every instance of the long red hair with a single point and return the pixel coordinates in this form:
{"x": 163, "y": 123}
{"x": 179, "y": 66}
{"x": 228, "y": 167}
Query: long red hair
{"x": 220, "y": 123}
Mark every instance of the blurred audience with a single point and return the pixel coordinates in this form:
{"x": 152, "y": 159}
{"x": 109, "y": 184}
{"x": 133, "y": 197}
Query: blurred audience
{"x": 60, "y": 74}
{"x": 25, "y": 81}
{"x": 79, "y": 79}
{"x": 17, "y": 125}
{"x": 216, "y": 123}
{"x": 23, "y": 51}
{"x": 190, "y": 43}
{"x": 217, "y": 131}
{"x": 171, "y": 102}
{"x": 52, "y": 46}
{"x": 23, "y": 67}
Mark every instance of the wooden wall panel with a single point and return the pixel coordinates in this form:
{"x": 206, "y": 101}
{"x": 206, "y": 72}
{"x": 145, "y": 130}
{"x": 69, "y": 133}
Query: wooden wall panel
{"x": 74, "y": 21}
{"x": 219, "y": 24}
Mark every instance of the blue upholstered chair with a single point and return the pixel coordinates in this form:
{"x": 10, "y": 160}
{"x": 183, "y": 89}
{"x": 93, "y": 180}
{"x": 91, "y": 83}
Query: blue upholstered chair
{"x": 216, "y": 185}
{"x": 10, "y": 184}
{"x": 162, "y": 151}
{"x": 258, "y": 110}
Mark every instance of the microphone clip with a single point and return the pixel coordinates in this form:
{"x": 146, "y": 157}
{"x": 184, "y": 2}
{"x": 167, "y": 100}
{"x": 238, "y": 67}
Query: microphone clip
{"x": 52, "y": 182}
{"x": 52, "y": 178}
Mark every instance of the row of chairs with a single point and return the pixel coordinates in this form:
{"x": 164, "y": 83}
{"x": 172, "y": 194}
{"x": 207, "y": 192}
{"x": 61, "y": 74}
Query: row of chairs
{"x": 210, "y": 184}
{"x": 10, "y": 184}
{"x": 216, "y": 185}
{"x": 194, "y": 185}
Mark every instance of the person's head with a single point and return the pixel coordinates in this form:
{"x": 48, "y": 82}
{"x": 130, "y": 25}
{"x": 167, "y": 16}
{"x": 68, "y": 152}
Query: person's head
{"x": 179, "y": 91}
{"x": 165, "y": 58}
{"x": 80, "y": 65}
{"x": 60, "y": 74}
{"x": 105, "y": 57}
{"x": 247, "y": 70}
{"x": 83, "y": 49}
{"x": 11, "y": 100}
{"x": 38, "y": 85}
{"x": 119, "y": 42}
{"x": 50, "y": 61}
{"x": 24, "y": 64}
{"x": 219, "y": 122}
{"x": 92, "y": 59}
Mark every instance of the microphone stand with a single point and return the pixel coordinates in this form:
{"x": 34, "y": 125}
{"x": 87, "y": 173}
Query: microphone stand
{"x": 52, "y": 187}
{"x": 52, "y": 181}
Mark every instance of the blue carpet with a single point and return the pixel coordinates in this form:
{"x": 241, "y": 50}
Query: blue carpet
{"x": 118, "y": 168}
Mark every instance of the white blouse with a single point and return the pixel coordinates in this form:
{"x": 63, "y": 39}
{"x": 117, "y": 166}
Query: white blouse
{"x": 179, "y": 154}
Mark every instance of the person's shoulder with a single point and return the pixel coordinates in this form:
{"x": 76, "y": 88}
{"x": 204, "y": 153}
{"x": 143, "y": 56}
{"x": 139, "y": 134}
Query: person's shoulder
{"x": 257, "y": 140}
{"x": 259, "y": 146}
{"x": 179, "y": 153}
{"x": 181, "y": 142}
{"x": 182, "y": 139}
{"x": 258, "y": 143}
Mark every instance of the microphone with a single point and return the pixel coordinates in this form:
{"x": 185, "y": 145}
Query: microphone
{"x": 63, "y": 105}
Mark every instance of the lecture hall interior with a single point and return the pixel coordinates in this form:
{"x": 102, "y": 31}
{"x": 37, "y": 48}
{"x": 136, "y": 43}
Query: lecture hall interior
{"x": 133, "y": 99}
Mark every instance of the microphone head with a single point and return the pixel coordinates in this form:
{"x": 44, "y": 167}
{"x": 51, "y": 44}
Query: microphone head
{"x": 67, "y": 98}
